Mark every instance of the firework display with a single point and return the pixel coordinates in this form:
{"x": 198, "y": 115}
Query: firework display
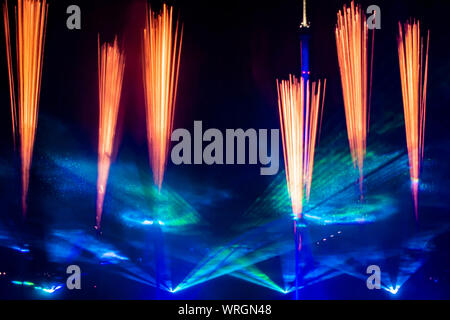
{"x": 208, "y": 205}
{"x": 351, "y": 41}
{"x": 111, "y": 65}
{"x": 298, "y": 106}
{"x": 414, "y": 77}
{"x": 31, "y": 18}
{"x": 161, "y": 62}
{"x": 10, "y": 72}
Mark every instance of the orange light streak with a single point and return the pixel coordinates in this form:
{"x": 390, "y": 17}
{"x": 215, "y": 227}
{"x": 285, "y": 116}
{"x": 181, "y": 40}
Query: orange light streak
{"x": 111, "y": 65}
{"x": 10, "y": 72}
{"x": 161, "y": 62}
{"x": 31, "y": 19}
{"x": 299, "y": 106}
{"x": 414, "y": 78}
{"x": 351, "y": 41}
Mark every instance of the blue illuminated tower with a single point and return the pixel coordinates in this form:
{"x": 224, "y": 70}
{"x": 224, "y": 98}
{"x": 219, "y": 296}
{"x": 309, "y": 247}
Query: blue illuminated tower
{"x": 301, "y": 234}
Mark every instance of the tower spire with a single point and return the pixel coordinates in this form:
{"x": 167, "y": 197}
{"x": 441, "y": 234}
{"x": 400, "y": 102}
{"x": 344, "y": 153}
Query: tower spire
{"x": 304, "y": 23}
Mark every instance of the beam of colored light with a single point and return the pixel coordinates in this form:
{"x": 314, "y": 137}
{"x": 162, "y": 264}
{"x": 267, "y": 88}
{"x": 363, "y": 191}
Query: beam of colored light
{"x": 414, "y": 77}
{"x": 49, "y": 290}
{"x": 128, "y": 196}
{"x": 255, "y": 246}
{"x": 174, "y": 290}
{"x": 328, "y": 193}
{"x": 22, "y": 283}
{"x": 10, "y": 72}
{"x": 31, "y": 20}
{"x": 19, "y": 249}
{"x": 351, "y": 41}
{"x": 392, "y": 289}
{"x": 298, "y": 106}
{"x": 111, "y": 65}
{"x": 236, "y": 270}
{"x": 254, "y": 275}
{"x": 161, "y": 61}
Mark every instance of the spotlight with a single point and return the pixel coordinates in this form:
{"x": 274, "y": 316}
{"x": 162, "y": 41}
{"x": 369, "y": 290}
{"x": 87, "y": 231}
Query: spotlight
{"x": 19, "y": 249}
{"x": 51, "y": 290}
{"x": 174, "y": 290}
{"x": 392, "y": 290}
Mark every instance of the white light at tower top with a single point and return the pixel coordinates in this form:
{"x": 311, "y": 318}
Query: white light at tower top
{"x": 304, "y": 23}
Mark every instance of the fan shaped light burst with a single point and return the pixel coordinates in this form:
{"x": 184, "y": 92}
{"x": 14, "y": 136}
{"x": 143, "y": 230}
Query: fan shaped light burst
{"x": 414, "y": 78}
{"x": 161, "y": 61}
{"x": 351, "y": 41}
{"x": 10, "y": 72}
{"x": 31, "y": 19}
{"x": 298, "y": 106}
{"x": 111, "y": 65}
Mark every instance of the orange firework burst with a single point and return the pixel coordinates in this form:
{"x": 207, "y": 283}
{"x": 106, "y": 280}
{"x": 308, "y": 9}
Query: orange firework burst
{"x": 111, "y": 65}
{"x": 10, "y": 72}
{"x": 299, "y": 107}
{"x": 161, "y": 61}
{"x": 31, "y": 19}
{"x": 413, "y": 72}
{"x": 351, "y": 42}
